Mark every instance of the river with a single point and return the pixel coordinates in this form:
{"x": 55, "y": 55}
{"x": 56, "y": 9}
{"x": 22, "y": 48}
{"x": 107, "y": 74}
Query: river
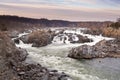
{"x": 54, "y": 56}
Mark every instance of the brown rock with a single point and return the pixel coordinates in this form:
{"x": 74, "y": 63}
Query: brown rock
{"x": 38, "y": 38}
{"x": 100, "y": 50}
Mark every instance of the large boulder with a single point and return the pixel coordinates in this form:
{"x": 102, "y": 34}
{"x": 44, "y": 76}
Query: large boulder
{"x": 100, "y": 50}
{"x": 38, "y": 38}
{"x": 9, "y": 50}
{"x": 81, "y": 39}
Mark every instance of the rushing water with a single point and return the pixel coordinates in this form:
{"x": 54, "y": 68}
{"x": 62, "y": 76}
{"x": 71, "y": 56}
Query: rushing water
{"x": 54, "y": 56}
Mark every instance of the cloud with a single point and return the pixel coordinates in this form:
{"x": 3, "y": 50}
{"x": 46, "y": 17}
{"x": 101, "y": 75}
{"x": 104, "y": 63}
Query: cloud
{"x": 64, "y": 7}
{"x": 48, "y": 6}
{"x": 61, "y": 9}
{"x": 83, "y": 1}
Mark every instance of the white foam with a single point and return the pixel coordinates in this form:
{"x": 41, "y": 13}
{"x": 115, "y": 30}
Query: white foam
{"x": 22, "y": 45}
{"x": 22, "y": 34}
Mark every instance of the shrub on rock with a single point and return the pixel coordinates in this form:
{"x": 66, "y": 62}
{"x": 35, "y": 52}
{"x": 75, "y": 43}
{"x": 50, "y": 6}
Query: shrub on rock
{"x": 38, "y": 38}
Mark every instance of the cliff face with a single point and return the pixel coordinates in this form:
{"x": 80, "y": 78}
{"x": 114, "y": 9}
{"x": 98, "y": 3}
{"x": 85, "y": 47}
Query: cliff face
{"x": 7, "y": 53}
{"x": 22, "y": 23}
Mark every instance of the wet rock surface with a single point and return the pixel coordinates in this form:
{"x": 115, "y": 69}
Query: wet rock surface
{"x": 70, "y": 37}
{"x": 14, "y": 68}
{"x": 100, "y": 50}
{"x": 17, "y": 41}
{"x": 81, "y": 39}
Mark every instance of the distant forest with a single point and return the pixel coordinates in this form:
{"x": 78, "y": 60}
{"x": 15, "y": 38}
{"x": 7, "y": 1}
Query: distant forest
{"x": 10, "y": 22}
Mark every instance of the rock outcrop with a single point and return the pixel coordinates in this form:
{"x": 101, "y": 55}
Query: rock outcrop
{"x": 81, "y": 39}
{"x": 13, "y": 66}
{"x": 70, "y": 37}
{"x": 100, "y": 50}
{"x": 8, "y": 51}
{"x": 38, "y": 38}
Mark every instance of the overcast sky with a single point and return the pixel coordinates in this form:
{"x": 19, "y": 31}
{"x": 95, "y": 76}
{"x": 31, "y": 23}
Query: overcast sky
{"x": 73, "y": 10}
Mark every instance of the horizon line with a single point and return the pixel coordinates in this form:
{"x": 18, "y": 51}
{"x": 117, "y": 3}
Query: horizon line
{"x": 59, "y": 19}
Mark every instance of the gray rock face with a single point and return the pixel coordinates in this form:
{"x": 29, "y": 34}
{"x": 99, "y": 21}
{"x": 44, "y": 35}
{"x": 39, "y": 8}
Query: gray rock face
{"x": 100, "y": 50}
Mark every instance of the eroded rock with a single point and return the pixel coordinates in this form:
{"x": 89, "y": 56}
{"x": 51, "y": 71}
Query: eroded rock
{"x": 100, "y": 50}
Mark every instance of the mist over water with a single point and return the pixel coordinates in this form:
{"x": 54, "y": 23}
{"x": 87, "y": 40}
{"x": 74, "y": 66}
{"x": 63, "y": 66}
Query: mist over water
{"x": 54, "y": 56}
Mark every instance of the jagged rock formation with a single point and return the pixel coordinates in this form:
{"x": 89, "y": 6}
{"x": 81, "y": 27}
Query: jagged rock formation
{"x": 100, "y": 50}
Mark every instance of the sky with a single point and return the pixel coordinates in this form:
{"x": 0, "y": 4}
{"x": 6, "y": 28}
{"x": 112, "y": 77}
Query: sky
{"x": 72, "y": 10}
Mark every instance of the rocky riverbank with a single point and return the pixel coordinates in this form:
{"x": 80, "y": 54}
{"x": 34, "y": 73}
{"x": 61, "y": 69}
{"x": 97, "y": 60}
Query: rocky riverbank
{"x": 100, "y": 50}
{"x": 14, "y": 68}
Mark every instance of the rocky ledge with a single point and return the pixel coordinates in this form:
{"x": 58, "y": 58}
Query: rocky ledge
{"x": 100, "y": 50}
{"x": 13, "y": 66}
{"x": 69, "y": 37}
